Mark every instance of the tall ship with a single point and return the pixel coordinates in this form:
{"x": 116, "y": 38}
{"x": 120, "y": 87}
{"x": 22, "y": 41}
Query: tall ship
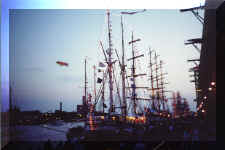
{"x": 137, "y": 93}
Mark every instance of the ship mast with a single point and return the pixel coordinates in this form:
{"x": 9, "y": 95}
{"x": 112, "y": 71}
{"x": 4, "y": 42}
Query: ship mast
{"x": 85, "y": 84}
{"x": 133, "y": 75}
{"x": 103, "y": 92}
{"x": 151, "y": 78}
{"x": 124, "y": 107}
{"x": 162, "y": 86}
{"x": 85, "y": 106}
{"x": 110, "y": 64}
{"x": 94, "y": 67}
{"x": 157, "y": 82}
{"x": 158, "y": 91}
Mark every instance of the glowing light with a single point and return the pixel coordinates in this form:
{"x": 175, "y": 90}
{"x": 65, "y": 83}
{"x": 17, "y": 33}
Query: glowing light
{"x": 205, "y": 97}
{"x": 203, "y": 110}
{"x": 91, "y": 123}
{"x": 131, "y": 118}
{"x": 198, "y": 90}
{"x": 210, "y": 89}
{"x": 142, "y": 118}
{"x": 102, "y": 117}
{"x": 213, "y": 83}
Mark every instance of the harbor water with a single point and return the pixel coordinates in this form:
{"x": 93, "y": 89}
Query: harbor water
{"x": 53, "y": 132}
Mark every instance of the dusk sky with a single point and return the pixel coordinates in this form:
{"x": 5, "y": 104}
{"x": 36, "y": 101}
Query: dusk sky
{"x": 42, "y": 37}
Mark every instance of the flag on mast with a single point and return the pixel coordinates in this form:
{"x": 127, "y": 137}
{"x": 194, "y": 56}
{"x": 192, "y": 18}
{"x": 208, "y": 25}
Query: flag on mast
{"x": 99, "y": 70}
{"x": 101, "y": 64}
{"x": 99, "y": 80}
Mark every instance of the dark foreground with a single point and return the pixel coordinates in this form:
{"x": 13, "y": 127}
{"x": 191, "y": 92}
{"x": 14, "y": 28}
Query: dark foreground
{"x": 76, "y": 145}
{"x": 181, "y": 134}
